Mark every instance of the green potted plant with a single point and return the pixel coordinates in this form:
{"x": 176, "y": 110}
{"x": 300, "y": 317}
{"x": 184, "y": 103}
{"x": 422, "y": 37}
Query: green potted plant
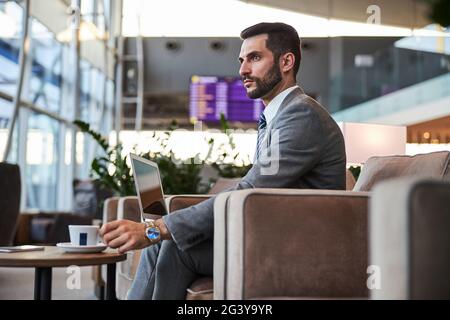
{"x": 110, "y": 170}
{"x": 228, "y": 168}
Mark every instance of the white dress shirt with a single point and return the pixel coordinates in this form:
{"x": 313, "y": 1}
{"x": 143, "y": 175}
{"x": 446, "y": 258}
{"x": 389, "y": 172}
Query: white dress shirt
{"x": 272, "y": 108}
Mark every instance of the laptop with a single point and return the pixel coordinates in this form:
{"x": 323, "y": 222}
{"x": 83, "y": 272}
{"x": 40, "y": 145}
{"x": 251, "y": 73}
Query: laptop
{"x": 148, "y": 187}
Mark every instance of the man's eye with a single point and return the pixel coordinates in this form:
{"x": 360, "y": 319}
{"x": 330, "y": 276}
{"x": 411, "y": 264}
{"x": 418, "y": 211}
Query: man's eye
{"x": 256, "y": 58}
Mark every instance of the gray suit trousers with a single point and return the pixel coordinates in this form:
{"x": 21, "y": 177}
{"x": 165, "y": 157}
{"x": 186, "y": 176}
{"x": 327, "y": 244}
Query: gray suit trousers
{"x": 164, "y": 271}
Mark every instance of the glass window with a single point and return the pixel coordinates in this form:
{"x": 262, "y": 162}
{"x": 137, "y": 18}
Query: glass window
{"x": 96, "y": 93}
{"x": 91, "y": 97}
{"x": 42, "y": 162}
{"x": 6, "y": 110}
{"x": 10, "y": 33}
{"x": 13, "y": 156}
{"x": 67, "y": 110}
{"x": 85, "y": 83}
{"x": 88, "y": 9}
{"x": 39, "y": 142}
{"x": 107, "y": 124}
{"x": 9, "y": 71}
{"x": 100, "y": 16}
{"x": 46, "y": 54}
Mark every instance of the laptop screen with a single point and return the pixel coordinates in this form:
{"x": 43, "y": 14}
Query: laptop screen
{"x": 148, "y": 186}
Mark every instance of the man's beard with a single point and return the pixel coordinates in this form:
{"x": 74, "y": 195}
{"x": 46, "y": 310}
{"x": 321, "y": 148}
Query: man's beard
{"x": 266, "y": 84}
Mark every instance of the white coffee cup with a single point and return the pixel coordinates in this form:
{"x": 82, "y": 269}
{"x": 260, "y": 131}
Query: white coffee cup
{"x": 84, "y": 235}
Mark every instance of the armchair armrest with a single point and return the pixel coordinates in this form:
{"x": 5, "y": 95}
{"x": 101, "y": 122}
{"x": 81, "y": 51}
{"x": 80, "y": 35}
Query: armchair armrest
{"x": 128, "y": 207}
{"x": 290, "y": 243}
{"x": 178, "y": 202}
{"x": 110, "y": 209}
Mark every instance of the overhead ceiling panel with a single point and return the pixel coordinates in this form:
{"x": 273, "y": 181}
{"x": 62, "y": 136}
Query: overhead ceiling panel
{"x": 400, "y": 13}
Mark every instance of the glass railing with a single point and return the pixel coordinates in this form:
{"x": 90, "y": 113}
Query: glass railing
{"x": 387, "y": 71}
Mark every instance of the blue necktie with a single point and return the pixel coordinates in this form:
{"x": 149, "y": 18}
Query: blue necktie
{"x": 261, "y": 129}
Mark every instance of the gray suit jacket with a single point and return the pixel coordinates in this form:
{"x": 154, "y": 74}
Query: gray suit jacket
{"x": 304, "y": 148}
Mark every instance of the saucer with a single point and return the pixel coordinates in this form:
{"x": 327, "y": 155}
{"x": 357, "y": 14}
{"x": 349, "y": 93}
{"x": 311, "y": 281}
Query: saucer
{"x": 68, "y": 247}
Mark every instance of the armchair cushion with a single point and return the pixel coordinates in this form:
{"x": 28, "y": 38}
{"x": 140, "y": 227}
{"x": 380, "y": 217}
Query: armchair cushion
{"x": 201, "y": 289}
{"x": 377, "y": 169}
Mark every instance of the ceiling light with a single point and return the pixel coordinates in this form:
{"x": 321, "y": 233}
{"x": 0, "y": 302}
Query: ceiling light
{"x": 88, "y": 32}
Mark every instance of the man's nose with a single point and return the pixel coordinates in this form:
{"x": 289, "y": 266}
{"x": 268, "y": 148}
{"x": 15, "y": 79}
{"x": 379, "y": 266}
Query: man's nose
{"x": 244, "y": 70}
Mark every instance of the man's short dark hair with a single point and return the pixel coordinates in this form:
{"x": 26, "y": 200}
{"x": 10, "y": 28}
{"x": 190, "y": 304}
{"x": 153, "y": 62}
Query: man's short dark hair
{"x": 282, "y": 38}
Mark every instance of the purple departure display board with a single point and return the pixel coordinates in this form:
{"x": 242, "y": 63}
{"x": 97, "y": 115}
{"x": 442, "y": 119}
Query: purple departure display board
{"x": 211, "y": 96}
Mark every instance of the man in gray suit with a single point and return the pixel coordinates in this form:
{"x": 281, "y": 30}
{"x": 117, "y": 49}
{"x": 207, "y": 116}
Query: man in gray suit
{"x": 298, "y": 146}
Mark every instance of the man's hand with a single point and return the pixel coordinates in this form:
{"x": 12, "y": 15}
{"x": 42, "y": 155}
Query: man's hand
{"x": 165, "y": 233}
{"x": 125, "y": 235}
{"x": 128, "y": 235}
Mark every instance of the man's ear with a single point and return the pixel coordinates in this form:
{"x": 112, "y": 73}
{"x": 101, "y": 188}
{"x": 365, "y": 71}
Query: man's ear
{"x": 287, "y": 61}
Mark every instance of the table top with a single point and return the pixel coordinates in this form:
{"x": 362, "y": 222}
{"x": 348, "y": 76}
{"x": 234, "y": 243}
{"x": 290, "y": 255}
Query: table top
{"x": 57, "y": 257}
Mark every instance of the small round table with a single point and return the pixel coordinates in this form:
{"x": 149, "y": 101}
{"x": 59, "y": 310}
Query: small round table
{"x": 43, "y": 261}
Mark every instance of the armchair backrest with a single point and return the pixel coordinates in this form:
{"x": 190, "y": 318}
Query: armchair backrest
{"x": 349, "y": 180}
{"x": 377, "y": 169}
{"x": 110, "y": 209}
{"x": 128, "y": 209}
{"x": 222, "y": 184}
{"x": 9, "y": 201}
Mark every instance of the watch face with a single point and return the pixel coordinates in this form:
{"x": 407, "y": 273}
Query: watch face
{"x": 153, "y": 233}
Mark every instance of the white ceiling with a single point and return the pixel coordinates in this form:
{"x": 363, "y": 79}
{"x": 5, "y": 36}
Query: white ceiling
{"x": 401, "y": 13}
{"x": 226, "y": 18}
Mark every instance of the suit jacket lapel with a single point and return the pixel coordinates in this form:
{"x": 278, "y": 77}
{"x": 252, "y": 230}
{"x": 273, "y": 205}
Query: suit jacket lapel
{"x": 297, "y": 92}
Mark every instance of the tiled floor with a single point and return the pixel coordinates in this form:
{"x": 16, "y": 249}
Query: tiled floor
{"x": 18, "y": 284}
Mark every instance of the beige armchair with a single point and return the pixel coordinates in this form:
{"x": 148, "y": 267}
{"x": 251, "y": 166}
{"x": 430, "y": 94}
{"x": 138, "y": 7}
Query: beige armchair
{"x": 128, "y": 208}
{"x": 410, "y": 240}
{"x": 284, "y": 243}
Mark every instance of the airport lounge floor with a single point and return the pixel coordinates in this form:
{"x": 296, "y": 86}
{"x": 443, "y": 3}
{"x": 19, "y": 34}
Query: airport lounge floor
{"x": 18, "y": 284}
